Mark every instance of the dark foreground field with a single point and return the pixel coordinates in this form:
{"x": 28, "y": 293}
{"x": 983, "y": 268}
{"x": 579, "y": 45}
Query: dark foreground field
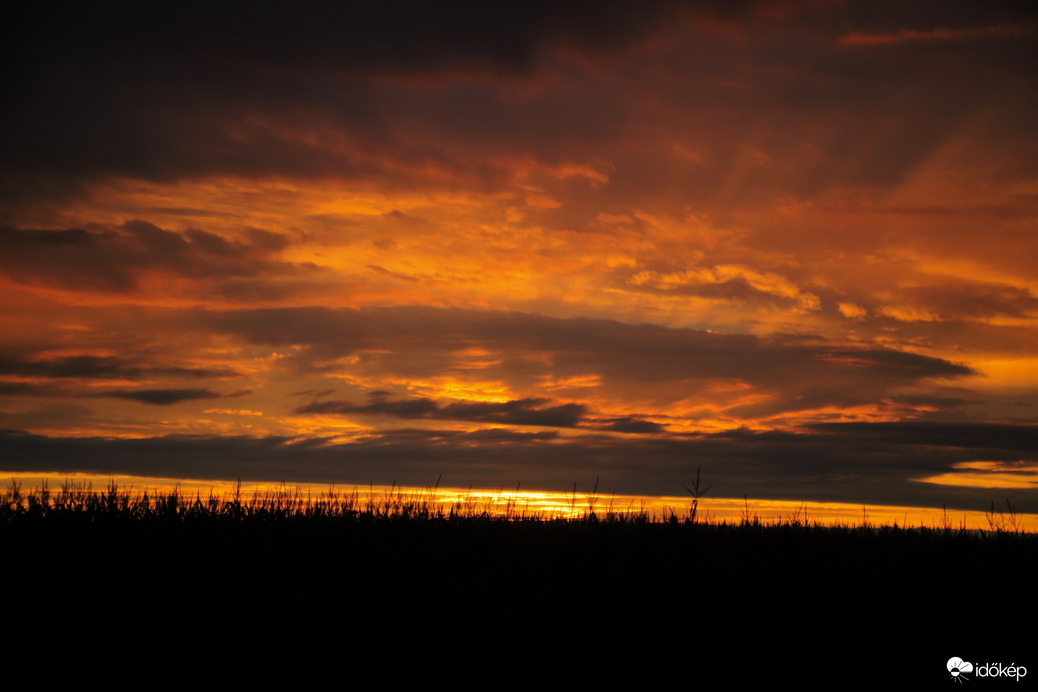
{"x": 174, "y": 581}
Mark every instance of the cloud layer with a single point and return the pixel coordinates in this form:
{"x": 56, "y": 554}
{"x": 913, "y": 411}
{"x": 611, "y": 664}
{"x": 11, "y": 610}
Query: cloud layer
{"x": 525, "y": 242}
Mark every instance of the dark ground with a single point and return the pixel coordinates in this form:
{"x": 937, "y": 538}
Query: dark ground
{"x": 800, "y": 604}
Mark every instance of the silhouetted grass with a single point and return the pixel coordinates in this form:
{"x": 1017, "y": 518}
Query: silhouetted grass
{"x": 398, "y": 565}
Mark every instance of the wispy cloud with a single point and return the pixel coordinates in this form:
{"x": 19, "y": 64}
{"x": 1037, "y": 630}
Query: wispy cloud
{"x": 997, "y": 31}
{"x": 532, "y": 411}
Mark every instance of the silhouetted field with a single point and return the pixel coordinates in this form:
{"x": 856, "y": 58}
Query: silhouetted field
{"x": 284, "y": 573}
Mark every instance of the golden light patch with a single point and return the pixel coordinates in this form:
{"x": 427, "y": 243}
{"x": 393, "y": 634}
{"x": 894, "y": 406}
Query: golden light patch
{"x": 705, "y": 425}
{"x": 318, "y": 424}
{"x": 988, "y": 474}
{"x": 909, "y": 313}
{"x": 765, "y": 282}
{"x": 794, "y": 422}
{"x": 852, "y": 311}
{"x": 1011, "y": 372}
{"x": 552, "y": 383}
{"x": 451, "y": 388}
{"x": 232, "y": 412}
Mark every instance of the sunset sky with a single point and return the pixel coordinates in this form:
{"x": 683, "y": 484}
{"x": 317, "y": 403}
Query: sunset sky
{"x": 794, "y": 243}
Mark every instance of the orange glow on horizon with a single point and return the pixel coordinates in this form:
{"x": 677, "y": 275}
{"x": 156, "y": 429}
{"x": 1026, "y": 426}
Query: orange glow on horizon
{"x": 989, "y": 474}
{"x": 551, "y": 505}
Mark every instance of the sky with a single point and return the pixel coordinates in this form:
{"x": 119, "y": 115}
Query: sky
{"x": 792, "y": 243}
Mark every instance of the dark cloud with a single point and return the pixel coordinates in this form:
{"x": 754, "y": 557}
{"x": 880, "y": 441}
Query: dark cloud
{"x": 71, "y": 366}
{"x": 628, "y": 424}
{"x": 163, "y": 397}
{"x": 19, "y": 388}
{"x": 419, "y": 95}
{"x": 531, "y": 411}
{"x": 408, "y": 35}
{"x": 114, "y": 259}
{"x": 941, "y": 402}
{"x": 155, "y": 92}
{"x": 738, "y": 290}
{"x": 967, "y": 300}
{"x": 56, "y": 377}
{"x": 1006, "y": 441}
{"x": 674, "y": 363}
{"x": 100, "y": 367}
{"x": 413, "y": 408}
{"x": 874, "y": 465}
{"x": 968, "y": 335}
{"x": 53, "y": 415}
{"x": 897, "y": 364}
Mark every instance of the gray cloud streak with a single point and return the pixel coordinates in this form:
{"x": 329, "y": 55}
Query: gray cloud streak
{"x": 815, "y": 467}
{"x": 531, "y": 411}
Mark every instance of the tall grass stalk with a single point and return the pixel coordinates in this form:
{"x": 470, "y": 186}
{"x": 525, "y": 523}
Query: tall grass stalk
{"x": 696, "y": 490}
